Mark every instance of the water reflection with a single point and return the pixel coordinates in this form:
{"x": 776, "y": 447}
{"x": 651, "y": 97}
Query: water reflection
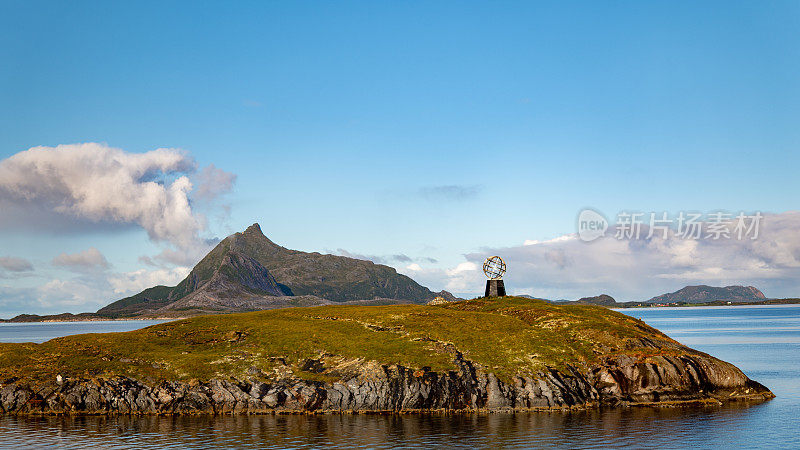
{"x": 761, "y": 341}
{"x": 651, "y": 427}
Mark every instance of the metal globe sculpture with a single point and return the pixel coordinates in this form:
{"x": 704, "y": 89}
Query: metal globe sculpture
{"x": 494, "y": 267}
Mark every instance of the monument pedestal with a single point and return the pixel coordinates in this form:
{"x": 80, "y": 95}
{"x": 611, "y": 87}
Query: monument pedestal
{"x": 495, "y": 288}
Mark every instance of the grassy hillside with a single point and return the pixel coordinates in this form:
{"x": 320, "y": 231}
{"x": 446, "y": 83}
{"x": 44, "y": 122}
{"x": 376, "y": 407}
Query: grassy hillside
{"x": 506, "y": 336}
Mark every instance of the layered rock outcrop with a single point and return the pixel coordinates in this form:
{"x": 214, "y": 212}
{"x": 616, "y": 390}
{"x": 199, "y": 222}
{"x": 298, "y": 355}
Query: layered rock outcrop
{"x": 618, "y": 381}
{"x": 488, "y": 354}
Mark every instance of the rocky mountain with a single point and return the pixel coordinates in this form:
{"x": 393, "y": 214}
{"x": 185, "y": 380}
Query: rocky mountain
{"x": 705, "y": 294}
{"x": 247, "y": 271}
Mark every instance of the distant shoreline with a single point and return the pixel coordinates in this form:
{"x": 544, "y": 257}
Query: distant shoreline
{"x": 127, "y": 319}
{"x": 91, "y": 317}
{"x": 769, "y": 302}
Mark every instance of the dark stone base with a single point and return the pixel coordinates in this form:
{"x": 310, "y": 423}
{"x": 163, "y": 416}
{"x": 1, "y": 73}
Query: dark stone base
{"x": 495, "y": 288}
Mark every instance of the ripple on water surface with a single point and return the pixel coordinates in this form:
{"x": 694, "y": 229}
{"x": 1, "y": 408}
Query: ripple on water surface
{"x": 761, "y": 341}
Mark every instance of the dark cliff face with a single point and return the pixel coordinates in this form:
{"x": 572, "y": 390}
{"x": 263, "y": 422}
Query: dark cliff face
{"x": 240, "y": 283}
{"x": 238, "y": 272}
{"x": 618, "y": 381}
{"x": 253, "y": 266}
{"x": 704, "y": 294}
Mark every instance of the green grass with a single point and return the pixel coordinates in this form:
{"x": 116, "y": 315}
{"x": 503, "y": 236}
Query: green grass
{"x": 507, "y": 336}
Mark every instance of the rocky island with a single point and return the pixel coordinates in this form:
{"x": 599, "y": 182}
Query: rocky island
{"x": 487, "y": 354}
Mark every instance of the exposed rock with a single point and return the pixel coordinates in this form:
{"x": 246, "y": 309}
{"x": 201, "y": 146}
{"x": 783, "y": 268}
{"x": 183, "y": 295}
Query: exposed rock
{"x": 438, "y": 301}
{"x": 620, "y": 381}
{"x": 247, "y": 272}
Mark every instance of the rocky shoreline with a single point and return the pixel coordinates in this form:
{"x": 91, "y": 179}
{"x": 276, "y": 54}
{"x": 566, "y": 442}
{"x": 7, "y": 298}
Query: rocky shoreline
{"x": 619, "y": 381}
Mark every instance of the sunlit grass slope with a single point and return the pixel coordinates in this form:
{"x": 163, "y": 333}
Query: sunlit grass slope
{"x": 506, "y": 336}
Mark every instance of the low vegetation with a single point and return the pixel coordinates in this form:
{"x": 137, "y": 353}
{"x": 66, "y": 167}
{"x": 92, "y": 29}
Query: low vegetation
{"x": 507, "y": 336}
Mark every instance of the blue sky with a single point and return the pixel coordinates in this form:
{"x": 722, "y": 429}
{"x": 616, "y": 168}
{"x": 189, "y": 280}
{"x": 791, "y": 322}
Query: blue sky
{"x": 434, "y": 130}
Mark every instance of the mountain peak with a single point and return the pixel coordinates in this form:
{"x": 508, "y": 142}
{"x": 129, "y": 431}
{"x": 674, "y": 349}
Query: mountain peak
{"x": 254, "y": 229}
{"x": 248, "y": 264}
{"x": 253, "y": 240}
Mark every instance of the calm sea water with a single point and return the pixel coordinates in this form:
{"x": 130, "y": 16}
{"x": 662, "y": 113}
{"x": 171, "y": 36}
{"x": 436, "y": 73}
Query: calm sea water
{"x": 762, "y": 341}
{"x": 44, "y": 331}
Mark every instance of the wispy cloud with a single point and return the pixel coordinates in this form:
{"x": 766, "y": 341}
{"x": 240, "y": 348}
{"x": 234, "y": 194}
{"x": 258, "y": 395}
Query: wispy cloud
{"x": 451, "y": 192}
{"x": 398, "y": 258}
{"x": 13, "y": 264}
{"x": 213, "y": 182}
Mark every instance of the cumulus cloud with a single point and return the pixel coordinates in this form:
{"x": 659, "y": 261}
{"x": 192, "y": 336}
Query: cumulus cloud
{"x": 95, "y": 183}
{"x": 638, "y": 269}
{"x": 104, "y": 184}
{"x": 451, "y": 192}
{"x": 465, "y": 278}
{"x": 463, "y": 268}
{"x": 89, "y": 187}
{"x": 13, "y": 264}
{"x": 86, "y": 260}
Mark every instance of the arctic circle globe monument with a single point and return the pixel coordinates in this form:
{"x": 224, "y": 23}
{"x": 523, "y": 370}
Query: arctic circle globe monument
{"x": 494, "y": 267}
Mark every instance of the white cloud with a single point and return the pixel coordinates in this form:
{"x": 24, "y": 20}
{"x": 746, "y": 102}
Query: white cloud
{"x": 565, "y": 237}
{"x": 414, "y": 266}
{"x": 69, "y": 294}
{"x": 566, "y": 267}
{"x": 463, "y": 267}
{"x": 87, "y": 292}
{"x": 136, "y": 281}
{"x": 95, "y": 183}
{"x": 89, "y": 187}
{"x": 86, "y": 260}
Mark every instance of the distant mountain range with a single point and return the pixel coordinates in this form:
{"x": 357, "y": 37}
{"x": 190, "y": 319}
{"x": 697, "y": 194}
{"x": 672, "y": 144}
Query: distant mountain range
{"x": 690, "y": 295}
{"x": 707, "y": 294}
{"x": 246, "y": 271}
{"x": 602, "y": 300}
